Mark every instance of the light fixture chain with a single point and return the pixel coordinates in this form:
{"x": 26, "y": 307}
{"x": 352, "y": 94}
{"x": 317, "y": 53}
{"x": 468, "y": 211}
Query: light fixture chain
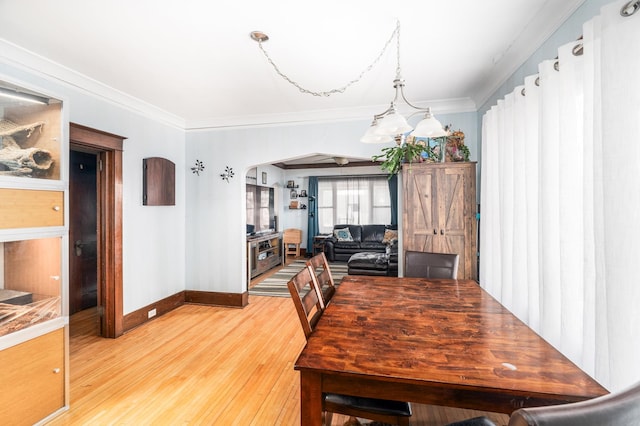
{"x": 395, "y": 33}
{"x": 398, "y": 72}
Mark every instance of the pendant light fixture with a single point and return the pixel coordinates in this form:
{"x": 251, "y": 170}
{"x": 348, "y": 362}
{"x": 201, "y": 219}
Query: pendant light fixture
{"x": 387, "y": 125}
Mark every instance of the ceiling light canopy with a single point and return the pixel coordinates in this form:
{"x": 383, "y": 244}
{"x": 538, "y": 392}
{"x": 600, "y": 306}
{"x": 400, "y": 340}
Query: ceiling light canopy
{"x": 341, "y": 161}
{"x": 388, "y": 124}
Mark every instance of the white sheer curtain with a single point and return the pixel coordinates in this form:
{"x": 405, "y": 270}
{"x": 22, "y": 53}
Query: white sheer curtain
{"x": 560, "y": 185}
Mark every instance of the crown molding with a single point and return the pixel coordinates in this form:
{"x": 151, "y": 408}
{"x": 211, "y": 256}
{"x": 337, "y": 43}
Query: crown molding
{"x": 443, "y": 106}
{"x": 524, "y": 46}
{"x": 36, "y": 64}
{"x": 39, "y": 65}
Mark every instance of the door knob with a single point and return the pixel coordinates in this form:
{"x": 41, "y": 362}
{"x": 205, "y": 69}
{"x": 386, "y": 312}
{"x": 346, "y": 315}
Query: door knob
{"x": 78, "y": 247}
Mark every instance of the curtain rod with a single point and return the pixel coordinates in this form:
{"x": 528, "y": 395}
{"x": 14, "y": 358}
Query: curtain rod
{"x": 333, "y": 177}
{"x": 626, "y": 11}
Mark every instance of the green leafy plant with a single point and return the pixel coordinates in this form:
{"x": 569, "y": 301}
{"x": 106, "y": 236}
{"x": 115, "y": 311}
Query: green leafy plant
{"x": 393, "y": 157}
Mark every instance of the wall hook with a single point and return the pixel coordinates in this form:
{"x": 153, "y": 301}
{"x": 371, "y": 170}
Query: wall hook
{"x": 198, "y": 167}
{"x": 228, "y": 173}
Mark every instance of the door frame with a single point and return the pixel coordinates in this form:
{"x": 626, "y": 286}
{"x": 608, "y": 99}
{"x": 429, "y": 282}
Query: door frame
{"x": 108, "y": 148}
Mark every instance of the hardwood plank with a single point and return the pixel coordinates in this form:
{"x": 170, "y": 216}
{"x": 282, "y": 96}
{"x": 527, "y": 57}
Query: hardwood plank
{"x": 200, "y": 365}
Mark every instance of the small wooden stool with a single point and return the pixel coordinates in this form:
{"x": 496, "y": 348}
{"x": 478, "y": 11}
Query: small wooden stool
{"x": 292, "y": 238}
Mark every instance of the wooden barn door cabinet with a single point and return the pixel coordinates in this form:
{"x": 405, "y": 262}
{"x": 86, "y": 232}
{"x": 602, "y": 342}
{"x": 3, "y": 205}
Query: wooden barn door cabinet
{"x": 439, "y": 213}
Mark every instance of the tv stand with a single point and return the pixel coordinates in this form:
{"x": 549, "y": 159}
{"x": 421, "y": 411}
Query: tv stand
{"x": 264, "y": 252}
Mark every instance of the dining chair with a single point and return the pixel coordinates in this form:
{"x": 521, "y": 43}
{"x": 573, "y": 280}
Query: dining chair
{"x": 320, "y": 267}
{"x": 307, "y": 298}
{"x": 618, "y": 408}
{"x": 421, "y": 264}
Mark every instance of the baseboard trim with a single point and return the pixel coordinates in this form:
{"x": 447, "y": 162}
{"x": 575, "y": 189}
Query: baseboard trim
{"x": 238, "y": 300}
{"x": 140, "y": 316}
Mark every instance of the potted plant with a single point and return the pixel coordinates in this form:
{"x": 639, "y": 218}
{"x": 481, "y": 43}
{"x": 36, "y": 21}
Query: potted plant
{"x": 412, "y": 150}
{"x": 407, "y": 152}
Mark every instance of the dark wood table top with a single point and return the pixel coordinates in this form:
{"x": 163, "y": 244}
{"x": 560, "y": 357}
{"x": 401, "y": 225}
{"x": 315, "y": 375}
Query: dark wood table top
{"x": 435, "y": 341}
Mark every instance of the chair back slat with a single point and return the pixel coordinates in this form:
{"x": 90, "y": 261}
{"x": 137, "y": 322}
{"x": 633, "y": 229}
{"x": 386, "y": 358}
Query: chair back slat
{"x": 320, "y": 267}
{"x": 307, "y": 299}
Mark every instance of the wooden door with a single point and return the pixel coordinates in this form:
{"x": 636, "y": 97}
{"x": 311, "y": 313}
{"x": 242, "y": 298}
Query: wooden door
{"x": 420, "y": 212}
{"x": 83, "y": 258}
{"x": 451, "y": 231}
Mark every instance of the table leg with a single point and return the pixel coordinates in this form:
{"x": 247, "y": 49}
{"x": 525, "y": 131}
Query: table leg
{"x": 310, "y": 399}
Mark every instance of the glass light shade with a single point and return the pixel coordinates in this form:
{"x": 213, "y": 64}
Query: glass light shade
{"x": 429, "y": 127}
{"x": 370, "y": 136}
{"x": 392, "y": 124}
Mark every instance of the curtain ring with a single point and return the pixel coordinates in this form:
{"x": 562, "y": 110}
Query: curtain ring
{"x": 556, "y": 65}
{"x": 630, "y": 8}
{"x": 578, "y": 49}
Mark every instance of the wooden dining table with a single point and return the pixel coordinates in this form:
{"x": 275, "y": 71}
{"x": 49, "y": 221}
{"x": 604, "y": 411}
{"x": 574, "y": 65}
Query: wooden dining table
{"x": 440, "y": 342}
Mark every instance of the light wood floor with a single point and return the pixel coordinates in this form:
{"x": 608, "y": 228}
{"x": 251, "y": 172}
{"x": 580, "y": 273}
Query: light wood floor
{"x": 200, "y": 365}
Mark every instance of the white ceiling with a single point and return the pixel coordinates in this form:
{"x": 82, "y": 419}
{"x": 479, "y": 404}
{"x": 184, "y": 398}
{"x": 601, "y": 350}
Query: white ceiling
{"x": 195, "y": 61}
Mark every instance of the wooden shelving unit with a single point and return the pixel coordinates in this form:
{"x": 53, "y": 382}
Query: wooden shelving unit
{"x": 263, "y": 253}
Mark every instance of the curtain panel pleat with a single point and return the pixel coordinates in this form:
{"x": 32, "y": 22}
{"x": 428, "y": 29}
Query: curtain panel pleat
{"x": 560, "y": 199}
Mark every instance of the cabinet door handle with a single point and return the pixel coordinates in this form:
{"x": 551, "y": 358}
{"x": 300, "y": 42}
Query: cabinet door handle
{"x": 56, "y": 208}
{"x": 435, "y": 232}
{"x": 56, "y": 371}
{"x": 442, "y": 232}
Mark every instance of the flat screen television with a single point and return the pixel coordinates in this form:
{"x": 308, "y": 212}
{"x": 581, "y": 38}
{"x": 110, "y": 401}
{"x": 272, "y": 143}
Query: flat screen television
{"x": 260, "y": 209}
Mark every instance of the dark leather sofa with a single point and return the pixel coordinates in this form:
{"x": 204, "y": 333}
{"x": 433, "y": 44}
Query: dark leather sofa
{"x": 366, "y": 238}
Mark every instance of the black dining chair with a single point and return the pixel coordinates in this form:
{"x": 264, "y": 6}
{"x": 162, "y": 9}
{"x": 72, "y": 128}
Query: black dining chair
{"x": 421, "y": 264}
{"x": 309, "y": 303}
{"x": 617, "y": 409}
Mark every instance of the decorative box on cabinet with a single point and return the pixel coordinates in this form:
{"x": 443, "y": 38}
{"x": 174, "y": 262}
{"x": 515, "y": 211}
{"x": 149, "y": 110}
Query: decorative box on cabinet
{"x": 439, "y": 213}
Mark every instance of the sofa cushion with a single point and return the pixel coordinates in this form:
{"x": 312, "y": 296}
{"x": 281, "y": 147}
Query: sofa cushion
{"x": 343, "y": 234}
{"x": 367, "y": 260}
{"x": 390, "y": 235}
{"x": 347, "y": 245}
{"x": 373, "y": 233}
{"x": 356, "y": 231}
{"x": 372, "y": 246}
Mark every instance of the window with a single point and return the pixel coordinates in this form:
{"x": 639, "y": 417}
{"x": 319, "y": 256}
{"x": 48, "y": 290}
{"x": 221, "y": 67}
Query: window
{"x": 361, "y": 200}
{"x": 260, "y": 208}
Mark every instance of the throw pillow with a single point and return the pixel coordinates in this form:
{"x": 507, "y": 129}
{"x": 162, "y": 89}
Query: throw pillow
{"x": 390, "y": 236}
{"x": 343, "y": 234}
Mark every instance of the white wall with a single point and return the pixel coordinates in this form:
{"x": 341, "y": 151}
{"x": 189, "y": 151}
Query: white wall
{"x": 215, "y": 232}
{"x": 153, "y": 237}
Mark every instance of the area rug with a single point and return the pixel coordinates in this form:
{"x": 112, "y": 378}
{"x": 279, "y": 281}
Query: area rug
{"x": 276, "y": 285}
